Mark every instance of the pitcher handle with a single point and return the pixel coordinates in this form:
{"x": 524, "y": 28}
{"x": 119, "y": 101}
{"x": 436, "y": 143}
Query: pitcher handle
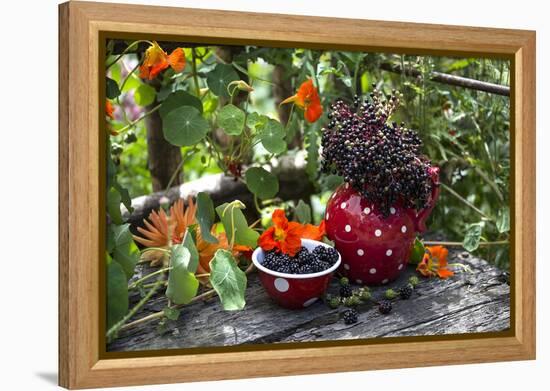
{"x": 422, "y": 216}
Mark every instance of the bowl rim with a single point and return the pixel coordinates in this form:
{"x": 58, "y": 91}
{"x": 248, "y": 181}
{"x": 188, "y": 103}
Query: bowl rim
{"x": 331, "y": 269}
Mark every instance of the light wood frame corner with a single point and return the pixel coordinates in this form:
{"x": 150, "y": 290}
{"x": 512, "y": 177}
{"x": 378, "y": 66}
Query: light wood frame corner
{"x": 81, "y": 25}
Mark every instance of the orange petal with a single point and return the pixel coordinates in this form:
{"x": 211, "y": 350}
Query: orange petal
{"x": 155, "y": 61}
{"x": 313, "y": 111}
{"x": 266, "y": 241}
{"x": 444, "y": 273}
{"x": 279, "y": 219}
{"x": 176, "y": 59}
{"x": 109, "y": 109}
{"x": 314, "y": 232}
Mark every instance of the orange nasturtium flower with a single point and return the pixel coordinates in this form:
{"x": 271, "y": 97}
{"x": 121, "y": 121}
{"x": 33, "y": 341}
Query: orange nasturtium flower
{"x": 307, "y": 98}
{"x": 435, "y": 263}
{"x": 285, "y": 236}
{"x": 156, "y": 60}
{"x": 314, "y": 232}
{"x": 109, "y": 109}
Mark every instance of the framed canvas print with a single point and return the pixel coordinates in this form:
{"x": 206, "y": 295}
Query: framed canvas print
{"x": 247, "y": 195}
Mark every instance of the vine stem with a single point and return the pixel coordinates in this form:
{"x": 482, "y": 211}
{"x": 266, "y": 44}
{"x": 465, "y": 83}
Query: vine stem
{"x": 125, "y": 52}
{"x": 459, "y": 244}
{"x": 120, "y": 324}
{"x": 466, "y": 202}
{"x": 133, "y": 123}
{"x": 146, "y": 277}
{"x": 160, "y": 314}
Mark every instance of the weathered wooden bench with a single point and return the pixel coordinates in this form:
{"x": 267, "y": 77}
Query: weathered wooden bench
{"x": 466, "y": 303}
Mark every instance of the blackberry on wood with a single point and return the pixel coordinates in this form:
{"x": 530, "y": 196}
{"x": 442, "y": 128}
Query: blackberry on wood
{"x": 350, "y": 316}
{"x": 406, "y": 291}
{"x": 345, "y": 291}
{"x": 385, "y": 307}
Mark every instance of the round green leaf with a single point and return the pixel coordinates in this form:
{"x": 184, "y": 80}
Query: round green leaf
{"x": 272, "y": 136}
{"x": 472, "y": 237}
{"x": 179, "y": 99}
{"x": 184, "y": 126}
{"x": 220, "y": 77}
{"x": 228, "y": 280}
{"x": 262, "y": 183}
{"x": 231, "y": 119}
{"x": 182, "y": 284}
{"x": 144, "y": 95}
{"x": 117, "y": 293}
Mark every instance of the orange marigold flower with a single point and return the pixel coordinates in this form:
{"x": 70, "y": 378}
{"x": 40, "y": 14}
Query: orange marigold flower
{"x": 283, "y": 236}
{"x": 307, "y": 98}
{"x": 109, "y": 109}
{"x": 156, "y": 60}
{"x": 435, "y": 263}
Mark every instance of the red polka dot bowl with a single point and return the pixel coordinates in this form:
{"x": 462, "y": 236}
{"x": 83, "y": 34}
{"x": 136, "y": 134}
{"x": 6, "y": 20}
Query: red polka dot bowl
{"x": 294, "y": 291}
{"x": 375, "y": 248}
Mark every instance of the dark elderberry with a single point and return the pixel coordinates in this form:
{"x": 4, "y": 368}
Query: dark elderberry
{"x": 382, "y": 161}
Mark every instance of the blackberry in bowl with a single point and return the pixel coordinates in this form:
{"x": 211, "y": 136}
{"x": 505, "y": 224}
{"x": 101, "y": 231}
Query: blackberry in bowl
{"x": 299, "y": 281}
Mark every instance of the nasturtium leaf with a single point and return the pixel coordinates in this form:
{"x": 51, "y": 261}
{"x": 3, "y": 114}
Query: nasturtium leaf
{"x": 220, "y": 77}
{"x": 272, "y": 136}
{"x": 261, "y": 183}
{"x": 189, "y": 244}
{"x": 472, "y": 237}
{"x": 231, "y": 119}
{"x": 132, "y": 83}
{"x": 124, "y": 196}
{"x": 417, "y": 252}
{"x": 125, "y": 251}
{"x": 113, "y": 205}
{"x": 205, "y": 216}
{"x": 255, "y": 120}
{"x": 182, "y": 284}
{"x": 302, "y": 213}
{"x": 228, "y": 280}
{"x": 117, "y": 292}
{"x": 110, "y": 239}
{"x": 503, "y": 220}
{"x": 171, "y": 313}
{"x": 111, "y": 89}
{"x": 144, "y": 95}
{"x": 179, "y": 99}
{"x": 184, "y": 126}
{"x": 231, "y": 217}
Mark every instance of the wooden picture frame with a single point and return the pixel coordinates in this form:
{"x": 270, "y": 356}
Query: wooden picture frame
{"x": 82, "y": 363}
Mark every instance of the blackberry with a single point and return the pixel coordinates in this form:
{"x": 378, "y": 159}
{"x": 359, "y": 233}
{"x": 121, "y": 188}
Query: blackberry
{"x": 382, "y": 161}
{"x": 345, "y": 291}
{"x": 406, "y": 291}
{"x": 385, "y": 307}
{"x": 350, "y": 316}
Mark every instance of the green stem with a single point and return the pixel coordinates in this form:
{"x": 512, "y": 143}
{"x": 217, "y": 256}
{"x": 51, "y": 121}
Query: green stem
{"x": 195, "y": 77}
{"x": 256, "y": 204}
{"x": 125, "y": 52}
{"x": 466, "y": 202}
{"x": 146, "y": 277}
{"x": 133, "y": 123}
{"x": 112, "y": 332}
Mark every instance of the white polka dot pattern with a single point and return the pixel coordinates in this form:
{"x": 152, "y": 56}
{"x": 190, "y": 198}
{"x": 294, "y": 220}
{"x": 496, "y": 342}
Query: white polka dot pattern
{"x": 403, "y": 229}
{"x": 366, "y": 210}
{"x": 378, "y": 233}
{"x": 281, "y": 284}
{"x": 389, "y": 252}
{"x": 343, "y": 205}
{"x": 360, "y": 252}
{"x": 372, "y": 271}
{"x": 392, "y": 210}
{"x": 346, "y": 266}
{"x": 385, "y": 281}
{"x": 347, "y": 228}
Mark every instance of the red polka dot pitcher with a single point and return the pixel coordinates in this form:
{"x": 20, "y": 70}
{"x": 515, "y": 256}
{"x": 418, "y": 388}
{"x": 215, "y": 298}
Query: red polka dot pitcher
{"x": 374, "y": 248}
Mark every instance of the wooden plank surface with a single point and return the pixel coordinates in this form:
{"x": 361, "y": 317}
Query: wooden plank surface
{"x": 466, "y": 303}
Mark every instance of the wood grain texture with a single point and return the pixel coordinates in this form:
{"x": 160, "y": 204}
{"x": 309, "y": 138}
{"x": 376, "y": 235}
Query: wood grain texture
{"x": 82, "y": 362}
{"x": 477, "y": 302}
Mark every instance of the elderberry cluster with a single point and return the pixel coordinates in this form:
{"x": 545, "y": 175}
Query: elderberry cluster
{"x": 380, "y": 160}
